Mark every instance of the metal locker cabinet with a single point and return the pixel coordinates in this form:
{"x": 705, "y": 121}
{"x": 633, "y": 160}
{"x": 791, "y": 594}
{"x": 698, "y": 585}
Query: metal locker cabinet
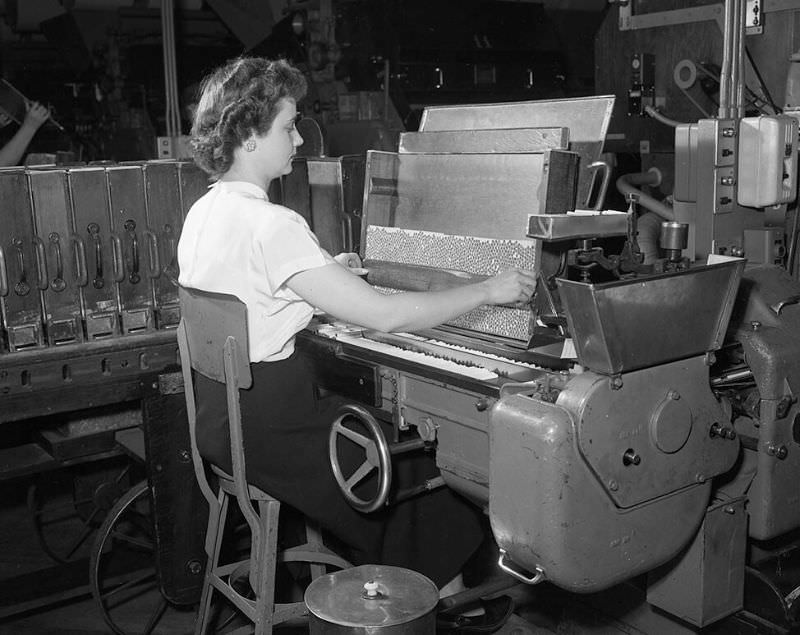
{"x": 164, "y": 222}
{"x": 20, "y": 298}
{"x": 92, "y": 222}
{"x": 129, "y": 239}
{"x": 193, "y": 184}
{"x": 63, "y": 263}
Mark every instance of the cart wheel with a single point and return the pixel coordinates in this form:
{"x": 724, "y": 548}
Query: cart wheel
{"x": 64, "y": 525}
{"x": 122, "y": 571}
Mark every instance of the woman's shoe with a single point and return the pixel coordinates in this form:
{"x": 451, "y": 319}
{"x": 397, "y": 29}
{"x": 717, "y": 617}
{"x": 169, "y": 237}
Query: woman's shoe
{"x": 496, "y": 613}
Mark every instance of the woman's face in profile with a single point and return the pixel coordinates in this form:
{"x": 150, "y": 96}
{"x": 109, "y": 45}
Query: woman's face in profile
{"x": 275, "y": 149}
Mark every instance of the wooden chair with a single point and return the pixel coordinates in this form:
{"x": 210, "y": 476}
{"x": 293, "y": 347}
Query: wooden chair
{"x": 212, "y": 338}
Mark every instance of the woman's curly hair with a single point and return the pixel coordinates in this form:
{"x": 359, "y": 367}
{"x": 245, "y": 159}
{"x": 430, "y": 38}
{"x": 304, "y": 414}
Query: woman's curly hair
{"x": 237, "y": 100}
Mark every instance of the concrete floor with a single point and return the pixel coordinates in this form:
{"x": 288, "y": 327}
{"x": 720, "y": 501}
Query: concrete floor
{"x": 29, "y": 528}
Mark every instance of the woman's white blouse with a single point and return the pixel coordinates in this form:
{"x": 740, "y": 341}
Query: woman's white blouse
{"x": 235, "y": 241}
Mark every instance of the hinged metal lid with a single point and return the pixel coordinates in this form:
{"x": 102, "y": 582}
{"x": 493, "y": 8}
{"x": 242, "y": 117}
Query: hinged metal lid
{"x": 371, "y": 595}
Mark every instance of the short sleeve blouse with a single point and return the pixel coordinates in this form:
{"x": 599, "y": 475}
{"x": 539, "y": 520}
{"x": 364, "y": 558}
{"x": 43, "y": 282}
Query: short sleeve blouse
{"x": 235, "y": 241}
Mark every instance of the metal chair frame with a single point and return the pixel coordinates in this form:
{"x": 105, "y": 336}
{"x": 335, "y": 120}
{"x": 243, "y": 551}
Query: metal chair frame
{"x": 212, "y": 339}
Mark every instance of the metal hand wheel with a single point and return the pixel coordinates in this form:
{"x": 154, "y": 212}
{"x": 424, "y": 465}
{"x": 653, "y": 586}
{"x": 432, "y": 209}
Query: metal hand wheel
{"x": 377, "y": 457}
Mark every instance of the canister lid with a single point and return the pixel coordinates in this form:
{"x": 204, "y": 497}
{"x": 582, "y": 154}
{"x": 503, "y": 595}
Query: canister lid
{"x": 371, "y": 595}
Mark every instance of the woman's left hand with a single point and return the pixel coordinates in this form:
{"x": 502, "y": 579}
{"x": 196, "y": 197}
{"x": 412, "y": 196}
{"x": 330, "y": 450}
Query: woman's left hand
{"x": 352, "y": 262}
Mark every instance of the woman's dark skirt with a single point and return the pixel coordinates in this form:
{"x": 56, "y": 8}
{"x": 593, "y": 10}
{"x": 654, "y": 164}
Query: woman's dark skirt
{"x": 286, "y": 451}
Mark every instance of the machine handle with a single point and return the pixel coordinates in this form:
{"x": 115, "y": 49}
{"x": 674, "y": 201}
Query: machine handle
{"x": 596, "y": 167}
{"x": 538, "y": 577}
{"x": 778, "y": 306}
{"x": 378, "y": 456}
{"x": 3, "y": 274}
{"x": 347, "y": 232}
{"x": 22, "y": 287}
{"x": 154, "y": 270}
{"x": 41, "y": 263}
{"x": 79, "y": 252}
{"x": 94, "y": 232}
{"x": 133, "y": 276}
{"x": 117, "y": 259}
{"x": 57, "y": 284}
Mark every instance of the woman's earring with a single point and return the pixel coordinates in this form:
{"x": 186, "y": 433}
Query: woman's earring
{"x": 250, "y": 145}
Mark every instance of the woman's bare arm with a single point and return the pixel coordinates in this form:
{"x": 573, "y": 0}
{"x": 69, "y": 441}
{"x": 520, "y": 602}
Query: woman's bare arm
{"x": 336, "y": 291}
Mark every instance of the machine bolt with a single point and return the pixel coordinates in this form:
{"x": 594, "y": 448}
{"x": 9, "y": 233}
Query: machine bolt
{"x": 755, "y": 325}
{"x": 782, "y": 409}
{"x": 778, "y": 451}
{"x": 729, "y": 510}
{"x": 674, "y": 395}
{"x": 616, "y": 383}
{"x": 194, "y": 567}
{"x": 184, "y": 456}
{"x": 721, "y": 431}
{"x": 481, "y": 405}
{"x": 700, "y": 478}
{"x": 613, "y": 485}
{"x": 631, "y": 458}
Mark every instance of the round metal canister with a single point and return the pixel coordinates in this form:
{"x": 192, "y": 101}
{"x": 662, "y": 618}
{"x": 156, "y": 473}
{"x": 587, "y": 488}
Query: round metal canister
{"x": 372, "y": 599}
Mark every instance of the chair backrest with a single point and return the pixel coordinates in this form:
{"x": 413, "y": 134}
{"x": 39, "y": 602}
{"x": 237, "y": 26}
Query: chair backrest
{"x": 212, "y": 339}
{"x": 209, "y": 320}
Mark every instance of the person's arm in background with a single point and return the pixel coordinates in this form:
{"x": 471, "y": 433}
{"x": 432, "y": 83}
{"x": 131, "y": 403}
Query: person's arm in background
{"x": 35, "y": 116}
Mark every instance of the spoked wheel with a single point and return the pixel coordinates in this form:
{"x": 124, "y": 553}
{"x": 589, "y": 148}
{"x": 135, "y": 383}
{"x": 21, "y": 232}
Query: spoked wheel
{"x": 123, "y": 574}
{"x": 67, "y": 507}
{"x": 376, "y": 456}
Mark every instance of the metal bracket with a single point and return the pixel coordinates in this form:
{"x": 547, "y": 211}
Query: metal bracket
{"x": 630, "y": 22}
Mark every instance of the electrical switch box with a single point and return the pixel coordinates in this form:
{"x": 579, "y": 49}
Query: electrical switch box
{"x": 767, "y": 170}
{"x": 643, "y": 83}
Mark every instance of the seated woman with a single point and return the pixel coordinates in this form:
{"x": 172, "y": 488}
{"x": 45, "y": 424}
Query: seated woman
{"x": 236, "y": 241}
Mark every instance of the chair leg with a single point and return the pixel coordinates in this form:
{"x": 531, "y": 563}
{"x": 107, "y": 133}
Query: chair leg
{"x": 214, "y": 534}
{"x": 314, "y": 540}
{"x": 265, "y": 560}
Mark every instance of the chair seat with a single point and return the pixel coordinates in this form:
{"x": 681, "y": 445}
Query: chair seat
{"x": 228, "y": 485}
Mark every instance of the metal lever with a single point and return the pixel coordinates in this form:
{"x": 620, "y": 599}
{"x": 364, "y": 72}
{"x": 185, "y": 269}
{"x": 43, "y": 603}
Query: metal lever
{"x": 538, "y": 577}
{"x": 22, "y": 287}
{"x": 133, "y": 276}
{"x": 598, "y": 167}
{"x": 3, "y": 274}
{"x": 778, "y": 306}
{"x": 94, "y": 232}
{"x": 57, "y": 283}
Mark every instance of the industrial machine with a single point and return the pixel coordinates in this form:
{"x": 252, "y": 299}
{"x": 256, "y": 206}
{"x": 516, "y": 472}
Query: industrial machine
{"x": 632, "y": 435}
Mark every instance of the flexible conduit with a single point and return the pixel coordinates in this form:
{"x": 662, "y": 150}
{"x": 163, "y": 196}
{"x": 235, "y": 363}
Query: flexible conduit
{"x": 172, "y": 115}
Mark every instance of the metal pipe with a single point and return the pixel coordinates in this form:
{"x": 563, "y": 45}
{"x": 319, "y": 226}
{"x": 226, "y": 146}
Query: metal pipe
{"x": 735, "y": 71}
{"x": 625, "y": 186}
{"x": 742, "y": 84}
{"x": 725, "y": 69}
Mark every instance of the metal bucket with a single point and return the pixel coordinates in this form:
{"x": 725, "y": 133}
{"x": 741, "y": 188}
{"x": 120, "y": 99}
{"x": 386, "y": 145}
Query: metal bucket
{"x": 372, "y": 599}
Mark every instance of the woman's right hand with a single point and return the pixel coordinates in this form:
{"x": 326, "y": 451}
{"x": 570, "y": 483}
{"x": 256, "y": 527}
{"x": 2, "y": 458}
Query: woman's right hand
{"x": 510, "y": 287}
